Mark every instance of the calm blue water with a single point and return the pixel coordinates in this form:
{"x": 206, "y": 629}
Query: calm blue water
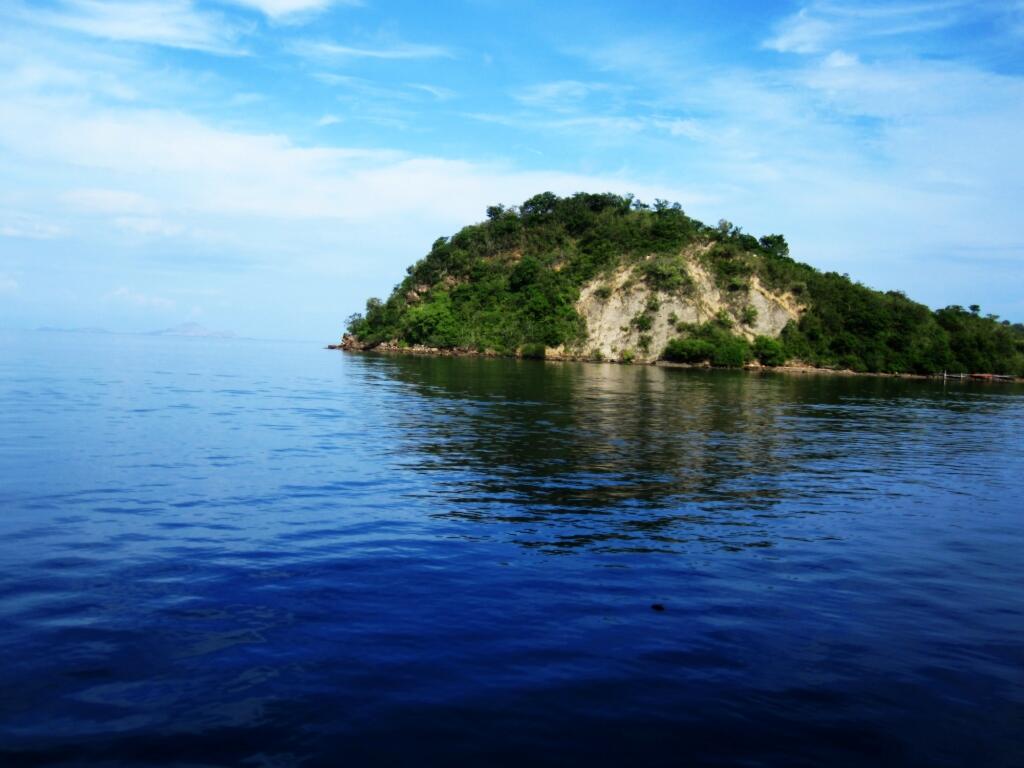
{"x": 266, "y": 554}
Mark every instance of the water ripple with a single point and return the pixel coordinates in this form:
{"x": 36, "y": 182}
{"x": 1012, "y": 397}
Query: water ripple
{"x": 240, "y": 553}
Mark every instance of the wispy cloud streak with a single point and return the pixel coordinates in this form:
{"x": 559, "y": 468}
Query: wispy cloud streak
{"x": 820, "y": 26}
{"x": 290, "y": 9}
{"x": 171, "y": 23}
{"x": 394, "y": 51}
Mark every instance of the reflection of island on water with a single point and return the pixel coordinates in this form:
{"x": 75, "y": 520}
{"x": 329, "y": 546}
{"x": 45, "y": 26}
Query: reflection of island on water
{"x": 640, "y": 458}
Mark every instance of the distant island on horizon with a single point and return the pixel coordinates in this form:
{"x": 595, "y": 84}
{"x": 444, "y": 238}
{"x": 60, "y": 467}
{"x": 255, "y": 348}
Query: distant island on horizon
{"x": 193, "y": 329}
{"x": 182, "y": 329}
{"x": 604, "y": 277}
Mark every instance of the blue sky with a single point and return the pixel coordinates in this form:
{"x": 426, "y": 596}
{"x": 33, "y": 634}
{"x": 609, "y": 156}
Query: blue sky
{"x": 263, "y": 166}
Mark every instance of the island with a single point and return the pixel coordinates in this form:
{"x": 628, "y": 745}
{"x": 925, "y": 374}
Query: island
{"x": 605, "y": 277}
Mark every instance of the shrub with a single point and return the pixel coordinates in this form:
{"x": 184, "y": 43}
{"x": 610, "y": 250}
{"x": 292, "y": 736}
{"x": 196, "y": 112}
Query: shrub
{"x": 665, "y": 273}
{"x": 710, "y": 343}
{"x": 689, "y": 350}
{"x": 532, "y": 351}
{"x": 627, "y": 355}
{"x": 731, "y": 352}
{"x": 642, "y": 322}
{"x": 768, "y": 351}
{"x": 749, "y": 315}
{"x": 432, "y": 323}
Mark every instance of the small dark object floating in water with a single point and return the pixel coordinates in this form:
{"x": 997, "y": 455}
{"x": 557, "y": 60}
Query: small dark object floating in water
{"x": 657, "y": 607}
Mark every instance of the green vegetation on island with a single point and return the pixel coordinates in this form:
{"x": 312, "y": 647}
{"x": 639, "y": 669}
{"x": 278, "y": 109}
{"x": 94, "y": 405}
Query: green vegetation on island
{"x": 510, "y": 285}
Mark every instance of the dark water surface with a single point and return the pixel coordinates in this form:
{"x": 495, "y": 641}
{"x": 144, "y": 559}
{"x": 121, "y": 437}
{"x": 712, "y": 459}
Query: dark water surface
{"x": 245, "y": 553}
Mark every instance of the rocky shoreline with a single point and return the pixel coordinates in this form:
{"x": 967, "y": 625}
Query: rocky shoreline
{"x": 350, "y": 343}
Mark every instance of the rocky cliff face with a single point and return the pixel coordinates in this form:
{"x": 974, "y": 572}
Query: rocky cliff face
{"x": 626, "y": 318}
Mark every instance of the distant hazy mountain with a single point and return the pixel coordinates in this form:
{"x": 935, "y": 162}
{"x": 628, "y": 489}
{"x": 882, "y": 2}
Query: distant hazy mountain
{"x": 52, "y": 329}
{"x": 192, "y": 329}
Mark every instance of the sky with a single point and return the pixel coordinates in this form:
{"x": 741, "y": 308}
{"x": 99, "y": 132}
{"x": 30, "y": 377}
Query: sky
{"x": 264, "y": 166}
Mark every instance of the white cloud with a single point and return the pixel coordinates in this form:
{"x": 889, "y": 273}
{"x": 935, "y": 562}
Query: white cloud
{"x": 147, "y": 226}
{"x": 131, "y": 297}
{"x": 597, "y": 129}
{"x": 7, "y": 284}
{"x": 29, "y": 72}
{"x": 245, "y": 99}
{"x": 801, "y": 33}
{"x": 281, "y": 9}
{"x": 393, "y": 51}
{"x": 108, "y": 201}
{"x": 185, "y": 167}
{"x": 437, "y": 91}
{"x": 688, "y": 128}
{"x": 28, "y": 226}
{"x": 909, "y": 89}
{"x": 367, "y": 89}
{"x": 560, "y": 95}
{"x": 328, "y": 120}
{"x": 822, "y": 25}
{"x": 603, "y": 128}
{"x": 172, "y": 23}
{"x": 838, "y": 59}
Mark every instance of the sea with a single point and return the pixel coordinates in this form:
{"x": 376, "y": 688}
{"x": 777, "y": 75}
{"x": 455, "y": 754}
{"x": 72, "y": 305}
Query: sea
{"x": 229, "y": 552}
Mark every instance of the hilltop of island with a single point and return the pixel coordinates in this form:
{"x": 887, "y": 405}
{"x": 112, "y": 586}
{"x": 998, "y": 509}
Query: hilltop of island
{"x": 607, "y": 277}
